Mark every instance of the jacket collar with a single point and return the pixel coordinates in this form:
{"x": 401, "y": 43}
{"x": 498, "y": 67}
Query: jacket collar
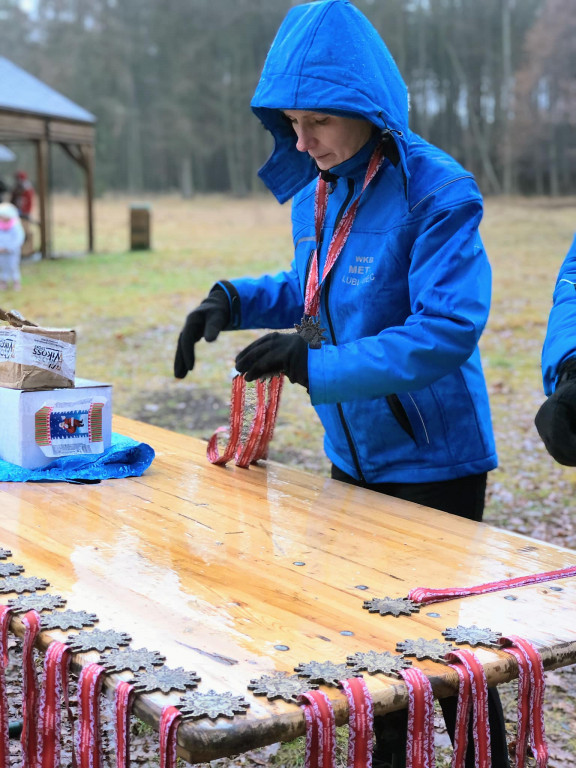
{"x": 355, "y": 166}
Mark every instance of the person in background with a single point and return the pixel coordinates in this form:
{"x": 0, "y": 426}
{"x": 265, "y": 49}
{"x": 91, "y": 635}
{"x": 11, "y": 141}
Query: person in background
{"x": 22, "y": 197}
{"x": 22, "y": 194}
{"x": 11, "y": 240}
{"x": 556, "y": 417}
{"x": 389, "y": 289}
{"x": 3, "y": 189}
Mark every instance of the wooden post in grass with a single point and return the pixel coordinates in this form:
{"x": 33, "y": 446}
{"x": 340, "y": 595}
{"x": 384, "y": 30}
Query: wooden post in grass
{"x": 140, "y": 227}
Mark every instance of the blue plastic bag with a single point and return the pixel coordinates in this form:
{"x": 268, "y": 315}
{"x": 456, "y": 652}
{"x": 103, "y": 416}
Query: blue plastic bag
{"x": 125, "y": 458}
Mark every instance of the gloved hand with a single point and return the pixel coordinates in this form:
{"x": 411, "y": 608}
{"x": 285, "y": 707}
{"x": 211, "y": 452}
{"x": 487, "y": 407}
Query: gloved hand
{"x": 275, "y": 353}
{"x": 207, "y": 320}
{"x": 556, "y": 418}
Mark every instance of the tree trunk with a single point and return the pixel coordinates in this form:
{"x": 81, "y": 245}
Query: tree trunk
{"x": 186, "y": 178}
{"x": 507, "y": 163}
{"x": 553, "y": 166}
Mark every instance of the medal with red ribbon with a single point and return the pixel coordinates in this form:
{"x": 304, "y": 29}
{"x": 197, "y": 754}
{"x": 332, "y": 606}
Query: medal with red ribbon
{"x": 5, "y": 618}
{"x": 472, "y": 697}
{"x": 123, "y": 699}
{"x": 531, "y": 686}
{"x": 423, "y": 595}
{"x": 320, "y": 730}
{"x": 420, "y": 751}
{"x": 29, "y": 738}
{"x": 54, "y": 688}
{"x": 169, "y": 723}
{"x": 89, "y": 735}
{"x": 360, "y": 722}
{"x": 313, "y": 283}
{"x": 253, "y": 414}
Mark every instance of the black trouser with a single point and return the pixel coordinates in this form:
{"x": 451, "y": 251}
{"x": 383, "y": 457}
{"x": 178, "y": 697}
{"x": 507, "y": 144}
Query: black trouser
{"x": 463, "y": 497}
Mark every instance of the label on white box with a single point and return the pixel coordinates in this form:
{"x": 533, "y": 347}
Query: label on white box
{"x": 40, "y": 351}
{"x": 64, "y": 429}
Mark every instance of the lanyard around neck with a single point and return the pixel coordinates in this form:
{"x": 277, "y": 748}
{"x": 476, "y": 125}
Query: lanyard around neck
{"x": 313, "y": 285}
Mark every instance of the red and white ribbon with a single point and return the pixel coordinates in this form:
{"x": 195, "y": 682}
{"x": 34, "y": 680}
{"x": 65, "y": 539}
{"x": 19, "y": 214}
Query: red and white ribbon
{"x": 89, "y": 736}
{"x": 123, "y": 699}
{"x": 313, "y": 285}
{"x": 472, "y": 695}
{"x": 54, "y": 687}
{"x": 463, "y": 710}
{"x": 235, "y": 428}
{"x": 531, "y": 687}
{"x": 275, "y": 385}
{"x": 423, "y": 595}
{"x": 360, "y": 722}
{"x": 420, "y": 752}
{"x": 170, "y": 720}
{"x": 5, "y": 618}
{"x": 254, "y": 446}
{"x": 247, "y": 450}
{"x": 29, "y": 738}
{"x": 320, "y": 730}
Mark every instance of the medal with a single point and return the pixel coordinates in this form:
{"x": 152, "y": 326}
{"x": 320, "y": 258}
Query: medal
{"x": 311, "y": 331}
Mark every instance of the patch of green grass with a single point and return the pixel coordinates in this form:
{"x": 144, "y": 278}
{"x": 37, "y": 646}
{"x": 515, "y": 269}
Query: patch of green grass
{"x": 291, "y": 754}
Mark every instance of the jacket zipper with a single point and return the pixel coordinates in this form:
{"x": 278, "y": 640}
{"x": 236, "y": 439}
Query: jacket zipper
{"x": 345, "y": 426}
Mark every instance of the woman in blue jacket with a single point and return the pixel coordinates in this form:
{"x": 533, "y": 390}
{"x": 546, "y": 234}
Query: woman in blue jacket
{"x": 390, "y": 284}
{"x": 556, "y": 419}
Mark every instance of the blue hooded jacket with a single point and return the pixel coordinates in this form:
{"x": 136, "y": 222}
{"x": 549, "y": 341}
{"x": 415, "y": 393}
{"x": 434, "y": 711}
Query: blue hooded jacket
{"x": 398, "y": 385}
{"x": 560, "y": 341}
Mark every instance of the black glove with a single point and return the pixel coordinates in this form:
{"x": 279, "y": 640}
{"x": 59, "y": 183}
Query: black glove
{"x": 556, "y": 418}
{"x": 275, "y": 353}
{"x": 207, "y": 320}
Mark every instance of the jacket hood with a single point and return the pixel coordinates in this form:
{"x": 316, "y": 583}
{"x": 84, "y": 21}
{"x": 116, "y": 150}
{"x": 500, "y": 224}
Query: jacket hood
{"x": 326, "y": 57}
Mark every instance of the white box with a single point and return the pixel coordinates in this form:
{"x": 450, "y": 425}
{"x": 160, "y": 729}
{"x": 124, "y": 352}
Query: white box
{"x": 39, "y": 426}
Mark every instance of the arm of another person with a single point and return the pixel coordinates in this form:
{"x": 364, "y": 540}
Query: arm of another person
{"x": 556, "y": 417}
{"x": 450, "y": 290}
{"x": 560, "y": 341}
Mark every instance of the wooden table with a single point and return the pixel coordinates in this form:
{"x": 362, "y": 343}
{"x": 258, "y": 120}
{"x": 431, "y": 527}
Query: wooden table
{"x": 219, "y": 569}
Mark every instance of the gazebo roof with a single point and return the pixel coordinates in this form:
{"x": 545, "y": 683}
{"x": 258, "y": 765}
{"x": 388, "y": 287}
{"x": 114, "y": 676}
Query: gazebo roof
{"x": 22, "y": 92}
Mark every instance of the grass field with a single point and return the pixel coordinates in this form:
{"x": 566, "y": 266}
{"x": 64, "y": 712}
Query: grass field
{"x": 128, "y": 308}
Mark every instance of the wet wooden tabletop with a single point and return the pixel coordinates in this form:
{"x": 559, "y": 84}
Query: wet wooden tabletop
{"x": 238, "y": 573}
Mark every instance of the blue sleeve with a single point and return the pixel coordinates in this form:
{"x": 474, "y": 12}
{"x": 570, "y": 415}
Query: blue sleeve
{"x": 450, "y": 285}
{"x": 560, "y": 341}
{"x": 270, "y": 301}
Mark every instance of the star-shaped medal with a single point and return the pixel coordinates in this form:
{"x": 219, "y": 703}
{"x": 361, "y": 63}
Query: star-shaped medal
{"x": 311, "y": 331}
{"x": 211, "y": 704}
{"x": 327, "y": 672}
{"x": 472, "y": 635}
{"x": 281, "y": 686}
{"x": 435, "y": 650}
{"x": 395, "y": 606}
{"x": 374, "y": 662}
{"x": 39, "y": 603}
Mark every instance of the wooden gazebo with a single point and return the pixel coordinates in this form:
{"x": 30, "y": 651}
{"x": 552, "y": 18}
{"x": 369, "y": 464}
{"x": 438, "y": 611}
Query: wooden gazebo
{"x": 32, "y": 111}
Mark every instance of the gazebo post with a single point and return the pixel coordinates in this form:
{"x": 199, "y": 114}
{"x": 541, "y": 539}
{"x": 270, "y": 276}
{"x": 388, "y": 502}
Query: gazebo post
{"x": 88, "y": 154}
{"x": 42, "y": 182}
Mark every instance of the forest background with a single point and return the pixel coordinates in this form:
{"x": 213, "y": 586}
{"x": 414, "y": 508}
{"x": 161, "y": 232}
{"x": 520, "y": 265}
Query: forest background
{"x": 493, "y": 82}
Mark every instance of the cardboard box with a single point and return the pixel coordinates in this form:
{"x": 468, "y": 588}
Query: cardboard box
{"x": 32, "y": 357}
{"x": 38, "y": 426}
